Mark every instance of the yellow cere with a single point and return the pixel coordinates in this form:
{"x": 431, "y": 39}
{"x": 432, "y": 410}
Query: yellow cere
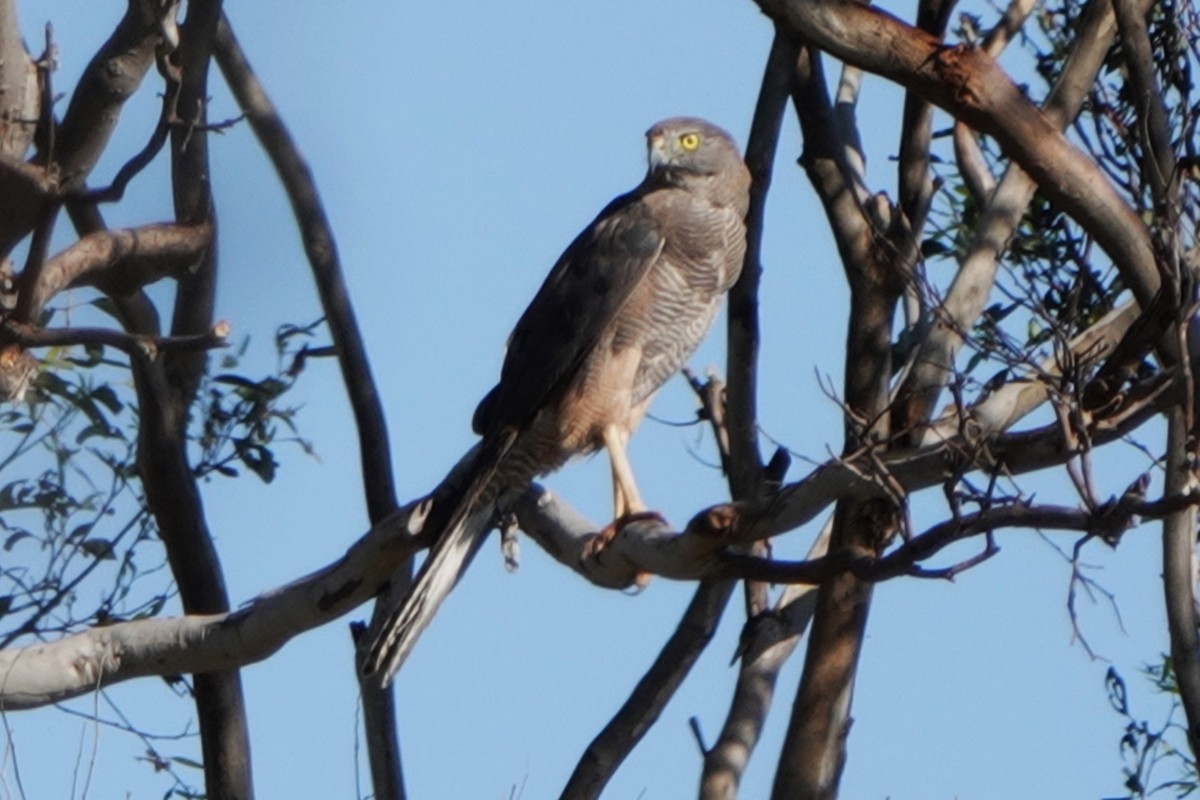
{"x": 689, "y": 141}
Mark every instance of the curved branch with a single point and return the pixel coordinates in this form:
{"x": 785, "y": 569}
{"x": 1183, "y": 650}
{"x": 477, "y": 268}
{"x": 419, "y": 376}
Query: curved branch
{"x": 49, "y": 672}
{"x": 969, "y": 84}
{"x": 321, "y": 249}
{"x": 120, "y": 262}
{"x": 972, "y": 285}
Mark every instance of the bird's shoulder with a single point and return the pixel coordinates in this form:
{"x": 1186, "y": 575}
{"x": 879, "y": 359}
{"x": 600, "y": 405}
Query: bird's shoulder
{"x": 584, "y": 291}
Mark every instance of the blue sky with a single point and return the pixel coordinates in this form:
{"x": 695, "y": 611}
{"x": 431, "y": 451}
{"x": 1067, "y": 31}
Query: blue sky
{"x": 459, "y": 148}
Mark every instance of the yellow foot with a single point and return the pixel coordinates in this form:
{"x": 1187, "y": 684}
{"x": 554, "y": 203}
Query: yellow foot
{"x": 598, "y": 543}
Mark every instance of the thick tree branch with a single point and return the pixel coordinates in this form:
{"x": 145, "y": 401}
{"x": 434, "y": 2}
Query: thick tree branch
{"x": 120, "y": 262}
{"x": 968, "y": 84}
{"x": 972, "y": 286}
{"x": 166, "y": 389}
{"x": 48, "y": 672}
{"x": 25, "y": 190}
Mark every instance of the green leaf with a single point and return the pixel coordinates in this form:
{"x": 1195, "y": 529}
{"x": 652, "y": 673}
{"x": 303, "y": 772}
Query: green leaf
{"x": 108, "y": 307}
{"x": 15, "y": 537}
{"x": 108, "y": 397}
{"x": 101, "y": 549}
{"x": 260, "y": 461}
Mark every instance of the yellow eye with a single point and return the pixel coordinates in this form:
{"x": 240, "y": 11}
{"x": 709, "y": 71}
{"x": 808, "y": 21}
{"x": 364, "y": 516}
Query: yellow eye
{"x": 689, "y": 141}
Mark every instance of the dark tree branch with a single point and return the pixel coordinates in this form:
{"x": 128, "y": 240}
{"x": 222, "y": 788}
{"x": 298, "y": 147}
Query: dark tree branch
{"x": 134, "y": 345}
{"x": 657, "y": 686}
{"x": 877, "y": 270}
{"x": 120, "y": 262}
{"x": 166, "y": 388}
{"x": 374, "y": 444}
{"x": 24, "y": 190}
{"x": 322, "y": 253}
{"x": 114, "y": 74}
{"x": 1158, "y": 167}
{"x": 158, "y": 139}
{"x": 745, "y": 467}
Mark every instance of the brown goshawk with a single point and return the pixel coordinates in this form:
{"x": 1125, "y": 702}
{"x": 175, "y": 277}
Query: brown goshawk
{"x": 620, "y": 312}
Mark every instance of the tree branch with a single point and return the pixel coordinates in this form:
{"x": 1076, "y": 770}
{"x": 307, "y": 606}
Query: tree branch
{"x": 371, "y": 425}
{"x": 650, "y": 696}
{"x": 49, "y": 672}
{"x": 968, "y": 84}
{"x": 119, "y": 262}
{"x": 135, "y": 345}
{"x": 972, "y": 284}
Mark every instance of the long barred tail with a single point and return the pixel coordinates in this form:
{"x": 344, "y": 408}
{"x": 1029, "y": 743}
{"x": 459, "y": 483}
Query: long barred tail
{"x": 462, "y": 534}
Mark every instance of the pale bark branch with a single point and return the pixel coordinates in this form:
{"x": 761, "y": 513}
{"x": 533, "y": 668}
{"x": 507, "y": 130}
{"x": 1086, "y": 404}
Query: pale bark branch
{"x": 1021, "y": 395}
{"x": 48, "y": 672}
{"x": 18, "y": 87}
{"x": 768, "y": 640}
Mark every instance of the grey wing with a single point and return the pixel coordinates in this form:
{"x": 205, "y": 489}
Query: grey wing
{"x": 582, "y": 295}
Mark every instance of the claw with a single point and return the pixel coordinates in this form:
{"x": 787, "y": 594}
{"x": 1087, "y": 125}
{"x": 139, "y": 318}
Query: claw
{"x": 595, "y": 547}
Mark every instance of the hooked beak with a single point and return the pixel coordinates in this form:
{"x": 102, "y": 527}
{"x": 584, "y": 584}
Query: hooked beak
{"x": 656, "y": 144}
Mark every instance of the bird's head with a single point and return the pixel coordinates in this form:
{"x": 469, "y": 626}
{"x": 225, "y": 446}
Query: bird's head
{"x": 683, "y": 150}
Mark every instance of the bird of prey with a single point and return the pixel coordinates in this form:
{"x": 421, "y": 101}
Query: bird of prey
{"x": 625, "y": 305}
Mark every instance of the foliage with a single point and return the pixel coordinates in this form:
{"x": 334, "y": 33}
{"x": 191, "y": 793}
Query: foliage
{"x": 1146, "y": 747}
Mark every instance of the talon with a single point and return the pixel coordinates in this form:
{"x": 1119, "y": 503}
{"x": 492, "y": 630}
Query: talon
{"x": 605, "y": 536}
